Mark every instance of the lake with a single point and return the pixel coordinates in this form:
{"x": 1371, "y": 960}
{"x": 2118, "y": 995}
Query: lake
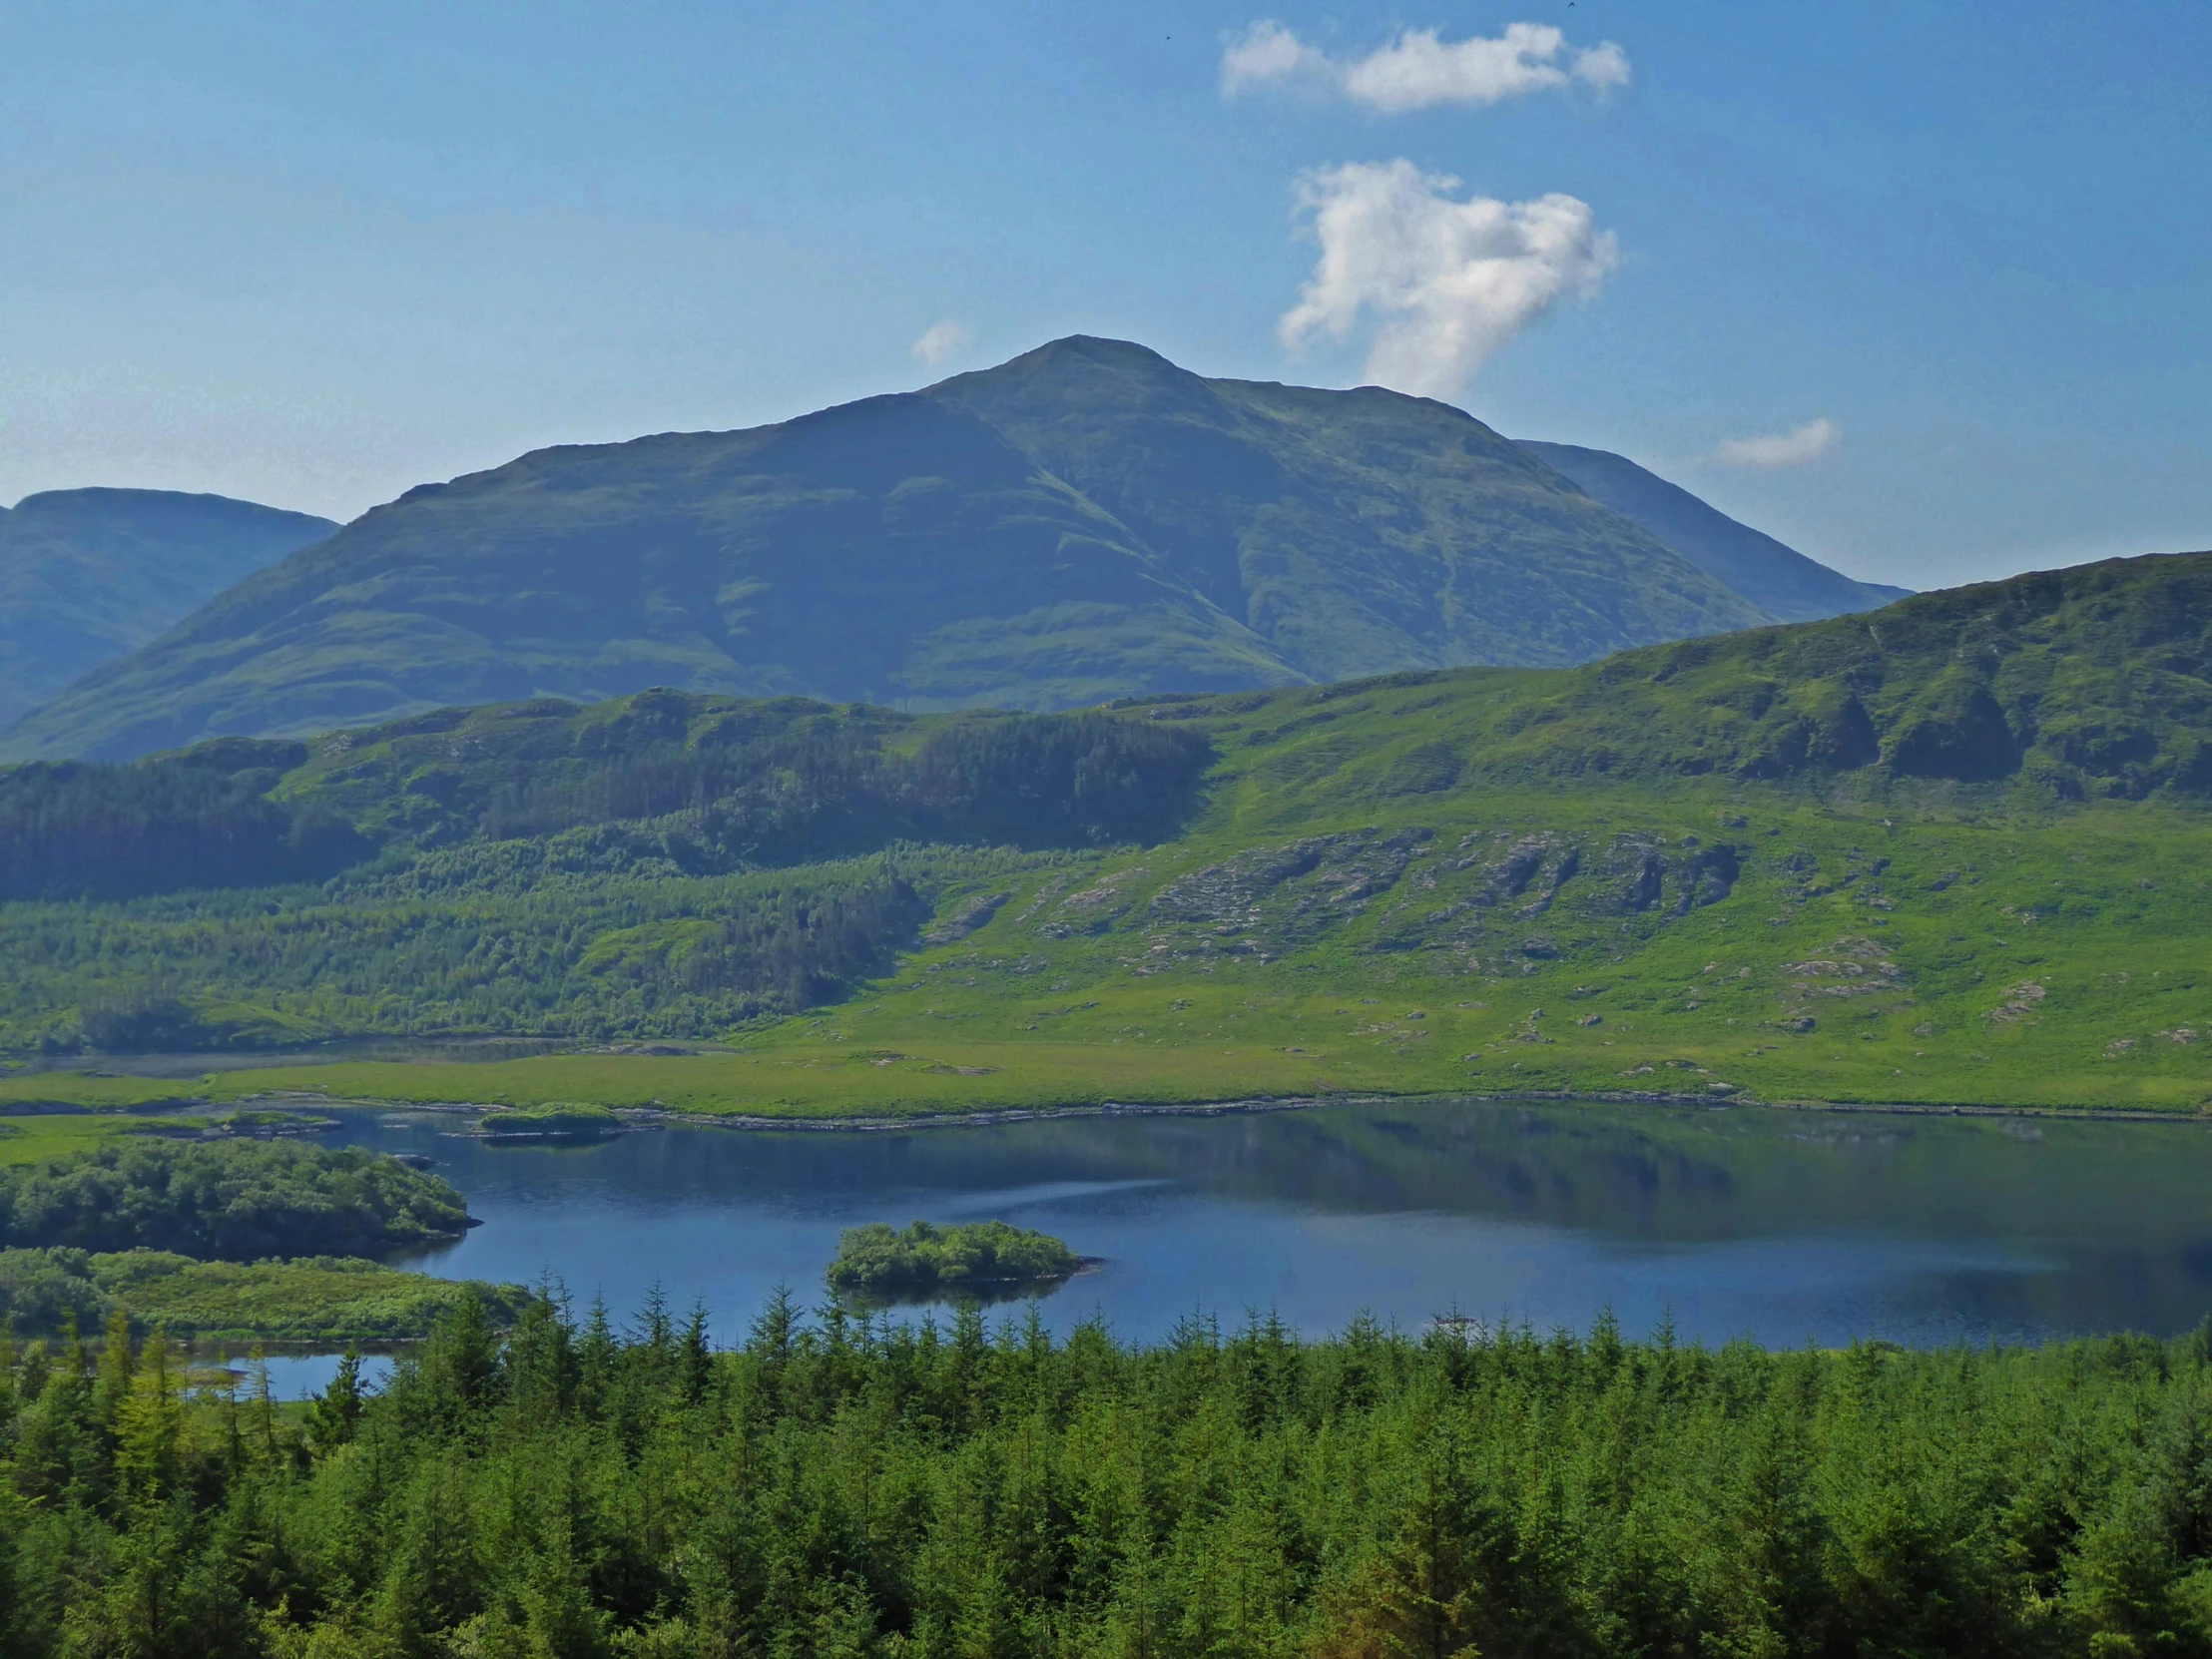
{"x": 1784, "y": 1226}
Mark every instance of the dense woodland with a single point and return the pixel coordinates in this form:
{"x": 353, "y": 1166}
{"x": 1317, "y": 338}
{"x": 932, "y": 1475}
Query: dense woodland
{"x": 535, "y": 870}
{"x": 587, "y": 935}
{"x": 203, "y": 819}
{"x": 730, "y": 787}
{"x": 237, "y": 1201}
{"x": 860, "y": 1486}
{"x": 239, "y": 1241}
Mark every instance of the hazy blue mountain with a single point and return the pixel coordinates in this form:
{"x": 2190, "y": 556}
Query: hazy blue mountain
{"x": 1778, "y": 578}
{"x": 87, "y": 575}
{"x": 1084, "y": 522}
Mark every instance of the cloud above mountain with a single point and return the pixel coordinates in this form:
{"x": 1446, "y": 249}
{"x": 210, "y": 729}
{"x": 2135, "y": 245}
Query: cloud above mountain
{"x": 1446, "y": 282}
{"x": 1773, "y": 451}
{"x": 941, "y": 343}
{"x": 1420, "y": 70}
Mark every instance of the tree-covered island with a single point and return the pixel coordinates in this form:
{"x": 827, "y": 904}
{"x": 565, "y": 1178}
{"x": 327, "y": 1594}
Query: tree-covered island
{"x": 927, "y": 1260}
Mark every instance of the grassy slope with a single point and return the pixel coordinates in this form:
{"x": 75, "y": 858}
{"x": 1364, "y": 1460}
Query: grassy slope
{"x": 2000, "y": 901}
{"x": 2102, "y": 908}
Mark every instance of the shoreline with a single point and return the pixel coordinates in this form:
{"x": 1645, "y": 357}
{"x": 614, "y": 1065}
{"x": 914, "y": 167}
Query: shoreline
{"x": 640, "y": 1117}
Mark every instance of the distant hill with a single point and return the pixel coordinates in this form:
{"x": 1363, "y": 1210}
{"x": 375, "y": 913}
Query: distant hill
{"x": 2086, "y": 684}
{"x": 1085, "y": 522}
{"x": 1779, "y": 580}
{"x": 1946, "y": 853}
{"x": 87, "y": 575}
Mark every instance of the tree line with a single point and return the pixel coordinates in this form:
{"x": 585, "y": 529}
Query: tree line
{"x": 510, "y": 938}
{"x": 764, "y": 785}
{"x": 829, "y": 784}
{"x": 855, "y": 1486}
{"x": 200, "y": 818}
{"x": 239, "y": 1201}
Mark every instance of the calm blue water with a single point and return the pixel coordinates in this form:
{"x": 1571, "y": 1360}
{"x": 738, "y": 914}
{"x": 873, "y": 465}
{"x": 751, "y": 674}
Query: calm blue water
{"x": 1784, "y": 1227}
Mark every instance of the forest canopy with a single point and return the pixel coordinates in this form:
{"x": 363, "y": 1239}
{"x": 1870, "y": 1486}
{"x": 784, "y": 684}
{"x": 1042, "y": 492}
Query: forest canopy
{"x": 744, "y": 784}
{"x": 239, "y": 1201}
{"x": 886, "y": 1489}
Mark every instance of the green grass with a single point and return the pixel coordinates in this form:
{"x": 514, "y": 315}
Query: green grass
{"x": 31, "y": 1137}
{"x": 322, "y": 1299}
{"x": 317, "y": 1299}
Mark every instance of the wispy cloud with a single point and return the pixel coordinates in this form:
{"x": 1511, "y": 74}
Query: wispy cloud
{"x": 1267, "y": 53}
{"x": 941, "y": 343}
{"x": 1418, "y": 69}
{"x": 1448, "y": 281}
{"x": 1776, "y": 450}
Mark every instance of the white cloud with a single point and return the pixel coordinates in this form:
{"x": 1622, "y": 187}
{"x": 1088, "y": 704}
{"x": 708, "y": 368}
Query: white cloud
{"x": 1449, "y": 282}
{"x": 1419, "y": 70}
{"x": 1269, "y": 54}
{"x": 942, "y": 341}
{"x": 1779, "y": 449}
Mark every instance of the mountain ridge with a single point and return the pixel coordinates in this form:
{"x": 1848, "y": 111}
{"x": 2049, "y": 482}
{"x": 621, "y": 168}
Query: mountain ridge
{"x": 1774, "y": 576}
{"x": 87, "y": 574}
{"x": 1084, "y": 522}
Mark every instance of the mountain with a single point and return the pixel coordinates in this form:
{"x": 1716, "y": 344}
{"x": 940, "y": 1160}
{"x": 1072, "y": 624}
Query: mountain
{"x": 1947, "y": 852}
{"x": 1084, "y": 522}
{"x": 1779, "y": 580}
{"x": 87, "y": 575}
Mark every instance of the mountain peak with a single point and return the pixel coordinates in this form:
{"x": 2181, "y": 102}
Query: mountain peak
{"x": 1082, "y": 522}
{"x": 1098, "y": 348}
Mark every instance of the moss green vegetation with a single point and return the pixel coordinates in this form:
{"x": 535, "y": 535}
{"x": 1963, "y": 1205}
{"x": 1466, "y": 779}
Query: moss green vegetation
{"x": 559, "y": 1117}
{"x": 37, "y": 1136}
{"x": 238, "y": 1201}
{"x": 1950, "y": 853}
{"x": 930, "y": 1261}
{"x": 872, "y": 1489}
{"x": 322, "y": 1299}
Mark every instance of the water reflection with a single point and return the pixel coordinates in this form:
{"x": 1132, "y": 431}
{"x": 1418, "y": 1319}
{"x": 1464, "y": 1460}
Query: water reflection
{"x": 1784, "y": 1226}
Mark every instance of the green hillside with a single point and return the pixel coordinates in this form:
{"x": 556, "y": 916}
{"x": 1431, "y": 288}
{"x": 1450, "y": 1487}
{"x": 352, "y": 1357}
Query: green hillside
{"x": 1085, "y": 522}
{"x": 88, "y": 575}
{"x": 1779, "y": 580}
{"x": 1953, "y": 853}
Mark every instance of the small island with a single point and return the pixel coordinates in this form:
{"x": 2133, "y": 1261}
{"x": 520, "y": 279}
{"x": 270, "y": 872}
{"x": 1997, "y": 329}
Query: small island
{"x": 560, "y": 1120}
{"x": 978, "y": 1259}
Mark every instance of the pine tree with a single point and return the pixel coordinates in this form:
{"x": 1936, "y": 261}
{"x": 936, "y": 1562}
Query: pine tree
{"x": 336, "y": 1413}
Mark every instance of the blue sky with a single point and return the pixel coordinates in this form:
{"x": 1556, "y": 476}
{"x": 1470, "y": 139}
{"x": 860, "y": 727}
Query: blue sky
{"x": 313, "y": 254}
